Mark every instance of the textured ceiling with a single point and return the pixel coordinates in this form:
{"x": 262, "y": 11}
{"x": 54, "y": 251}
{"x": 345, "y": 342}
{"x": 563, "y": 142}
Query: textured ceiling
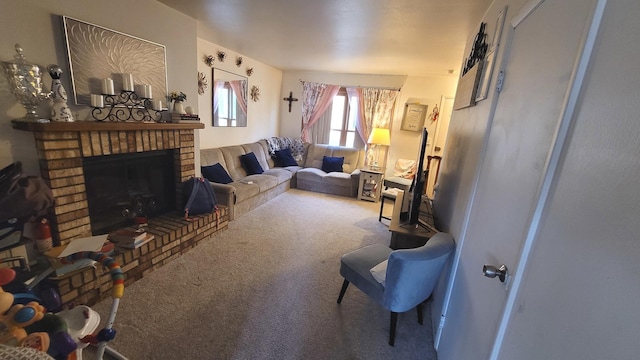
{"x": 395, "y": 37}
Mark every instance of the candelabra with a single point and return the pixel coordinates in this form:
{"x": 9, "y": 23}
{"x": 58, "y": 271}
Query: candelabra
{"x": 126, "y": 106}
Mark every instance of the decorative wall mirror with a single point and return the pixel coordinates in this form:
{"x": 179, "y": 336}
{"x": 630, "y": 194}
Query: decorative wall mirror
{"x": 229, "y": 99}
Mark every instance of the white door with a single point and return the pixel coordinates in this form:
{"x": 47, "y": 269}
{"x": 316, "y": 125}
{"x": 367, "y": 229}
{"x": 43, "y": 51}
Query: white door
{"x": 542, "y": 49}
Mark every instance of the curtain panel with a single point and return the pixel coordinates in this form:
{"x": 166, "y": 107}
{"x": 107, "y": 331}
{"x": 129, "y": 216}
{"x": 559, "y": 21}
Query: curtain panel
{"x": 240, "y": 89}
{"x": 316, "y": 98}
{"x": 375, "y": 108}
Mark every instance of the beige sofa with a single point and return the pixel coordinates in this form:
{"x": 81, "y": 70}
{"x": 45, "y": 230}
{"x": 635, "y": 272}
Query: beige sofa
{"x": 246, "y": 192}
{"x": 344, "y": 183}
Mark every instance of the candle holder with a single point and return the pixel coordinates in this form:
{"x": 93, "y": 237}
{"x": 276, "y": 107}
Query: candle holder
{"x": 127, "y": 107}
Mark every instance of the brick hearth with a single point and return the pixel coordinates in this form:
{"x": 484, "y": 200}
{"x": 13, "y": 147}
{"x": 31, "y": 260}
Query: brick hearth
{"x": 61, "y": 147}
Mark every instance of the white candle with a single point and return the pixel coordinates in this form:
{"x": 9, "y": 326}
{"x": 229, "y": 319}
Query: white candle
{"x": 147, "y": 92}
{"x": 127, "y": 82}
{"x": 107, "y": 87}
{"x": 97, "y": 101}
{"x": 157, "y": 105}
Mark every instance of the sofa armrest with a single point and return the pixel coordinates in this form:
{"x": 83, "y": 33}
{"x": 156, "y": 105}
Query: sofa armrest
{"x": 355, "y": 173}
{"x": 225, "y": 194}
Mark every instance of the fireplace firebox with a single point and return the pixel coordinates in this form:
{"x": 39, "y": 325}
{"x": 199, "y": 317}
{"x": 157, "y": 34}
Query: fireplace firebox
{"x": 124, "y": 186}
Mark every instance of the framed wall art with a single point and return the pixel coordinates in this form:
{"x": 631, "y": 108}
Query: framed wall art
{"x": 413, "y": 118}
{"x": 96, "y": 53}
{"x": 485, "y": 78}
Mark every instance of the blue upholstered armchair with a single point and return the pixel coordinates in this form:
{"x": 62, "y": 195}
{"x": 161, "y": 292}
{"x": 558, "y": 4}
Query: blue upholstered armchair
{"x": 408, "y": 280}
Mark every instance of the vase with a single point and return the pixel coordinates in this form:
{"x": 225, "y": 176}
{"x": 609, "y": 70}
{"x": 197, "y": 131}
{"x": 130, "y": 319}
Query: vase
{"x": 178, "y": 107}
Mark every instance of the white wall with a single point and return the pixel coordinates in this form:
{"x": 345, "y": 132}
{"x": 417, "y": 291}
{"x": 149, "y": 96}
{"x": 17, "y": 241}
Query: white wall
{"x": 37, "y": 27}
{"x": 263, "y": 115}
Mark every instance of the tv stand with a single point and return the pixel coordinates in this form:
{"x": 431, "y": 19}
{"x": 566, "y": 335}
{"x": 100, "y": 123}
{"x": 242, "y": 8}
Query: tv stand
{"x": 404, "y": 235}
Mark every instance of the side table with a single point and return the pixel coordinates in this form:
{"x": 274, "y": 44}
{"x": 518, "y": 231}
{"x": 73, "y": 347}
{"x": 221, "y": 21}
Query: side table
{"x": 370, "y": 185}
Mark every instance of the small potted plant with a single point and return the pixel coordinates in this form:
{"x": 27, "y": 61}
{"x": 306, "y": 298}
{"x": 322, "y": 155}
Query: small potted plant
{"x": 177, "y": 98}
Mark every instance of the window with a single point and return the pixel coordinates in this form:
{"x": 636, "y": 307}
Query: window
{"x": 342, "y": 131}
{"x": 227, "y": 107}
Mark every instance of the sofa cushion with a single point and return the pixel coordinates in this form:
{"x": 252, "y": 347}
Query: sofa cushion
{"x": 216, "y": 173}
{"x": 250, "y": 164}
{"x": 332, "y": 163}
{"x": 284, "y": 158}
{"x": 338, "y": 178}
{"x": 281, "y": 174}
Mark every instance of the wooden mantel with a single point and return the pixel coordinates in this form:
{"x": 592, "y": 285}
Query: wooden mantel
{"x": 102, "y": 126}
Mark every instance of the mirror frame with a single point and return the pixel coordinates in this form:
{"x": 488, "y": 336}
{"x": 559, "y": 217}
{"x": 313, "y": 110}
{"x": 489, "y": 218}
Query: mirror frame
{"x": 227, "y": 77}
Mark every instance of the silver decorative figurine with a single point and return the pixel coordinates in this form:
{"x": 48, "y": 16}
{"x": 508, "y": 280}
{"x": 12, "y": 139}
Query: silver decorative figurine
{"x": 25, "y": 81}
{"x": 60, "y": 110}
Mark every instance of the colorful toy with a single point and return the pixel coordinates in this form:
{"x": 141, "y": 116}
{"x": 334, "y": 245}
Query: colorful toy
{"x": 13, "y": 322}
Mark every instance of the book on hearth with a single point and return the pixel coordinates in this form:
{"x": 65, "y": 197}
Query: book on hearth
{"x": 126, "y": 236}
{"x": 136, "y": 244}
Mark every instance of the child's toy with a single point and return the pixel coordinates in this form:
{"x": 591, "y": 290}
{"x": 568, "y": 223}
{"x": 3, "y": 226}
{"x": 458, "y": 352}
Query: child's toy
{"x": 12, "y": 324}
{"x": 6, "y": 299}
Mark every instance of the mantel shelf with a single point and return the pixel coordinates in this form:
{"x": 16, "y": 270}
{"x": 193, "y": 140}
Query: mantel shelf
{"x": 101, "y": 126}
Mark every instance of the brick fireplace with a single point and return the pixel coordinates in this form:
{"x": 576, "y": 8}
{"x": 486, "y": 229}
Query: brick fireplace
{"x": 61, "y": 148}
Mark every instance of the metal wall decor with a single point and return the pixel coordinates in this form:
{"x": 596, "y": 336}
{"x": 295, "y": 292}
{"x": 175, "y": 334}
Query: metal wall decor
{"x": 249, "y": 71}
{"x": 221, "y": 56}
{"x": 209, "y": 59}
{"x": 96, "y": 53}
{"x": 203, "y": 84}
{"x": 239, "y": 61}
{"x": 255, "y": 93}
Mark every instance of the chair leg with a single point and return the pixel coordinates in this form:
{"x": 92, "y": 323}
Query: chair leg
{"x": 392, "y": 328}
{"x": 419, "y": 307}
{"x": 345, "y": 284}
{"x": 381, "y": 206}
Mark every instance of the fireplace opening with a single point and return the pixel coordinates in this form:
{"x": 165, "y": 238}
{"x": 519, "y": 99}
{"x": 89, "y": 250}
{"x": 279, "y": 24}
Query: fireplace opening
{"x": 124, "y": 186}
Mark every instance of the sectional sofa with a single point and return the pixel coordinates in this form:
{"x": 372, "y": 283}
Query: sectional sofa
{"x": 244, "y": 191}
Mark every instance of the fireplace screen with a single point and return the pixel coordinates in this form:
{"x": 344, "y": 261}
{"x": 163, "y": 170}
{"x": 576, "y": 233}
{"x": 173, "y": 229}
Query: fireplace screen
{"x": 122, "y": 187}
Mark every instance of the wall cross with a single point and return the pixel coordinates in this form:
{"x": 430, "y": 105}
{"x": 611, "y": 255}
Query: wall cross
{"x": 290, "y": 99}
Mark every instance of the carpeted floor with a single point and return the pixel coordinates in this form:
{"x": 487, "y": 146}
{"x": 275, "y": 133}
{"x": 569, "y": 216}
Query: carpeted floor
{"x": 266, "y": 288}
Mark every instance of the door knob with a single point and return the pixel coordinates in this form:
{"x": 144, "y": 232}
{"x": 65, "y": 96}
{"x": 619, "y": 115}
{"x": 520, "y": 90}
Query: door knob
{"x": 491, "y": 271}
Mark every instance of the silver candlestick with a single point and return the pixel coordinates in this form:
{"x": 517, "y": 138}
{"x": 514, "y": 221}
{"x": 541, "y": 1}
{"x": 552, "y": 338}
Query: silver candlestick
{"x": 25, "y": 80}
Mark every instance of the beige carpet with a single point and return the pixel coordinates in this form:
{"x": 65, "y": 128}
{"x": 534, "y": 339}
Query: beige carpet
{"x": 266, "y": 288}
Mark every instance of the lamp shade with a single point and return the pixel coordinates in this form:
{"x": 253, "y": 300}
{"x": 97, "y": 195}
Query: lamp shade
{"x": 379, "y": 136}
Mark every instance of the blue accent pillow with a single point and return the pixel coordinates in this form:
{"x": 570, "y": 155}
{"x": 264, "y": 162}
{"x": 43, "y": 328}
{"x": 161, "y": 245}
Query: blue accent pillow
{"x": 250, "y": 164}
{"x": 284, "y": 158}
{"x": 216, "y": 173}
{"x": 332, "y": 164}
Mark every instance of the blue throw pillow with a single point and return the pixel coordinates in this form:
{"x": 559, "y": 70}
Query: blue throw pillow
{"x": 250, "y": 164}
{"x": 284, "y": 158}
{"x": 216, "y": 173}
{"x": 332, "y": 164}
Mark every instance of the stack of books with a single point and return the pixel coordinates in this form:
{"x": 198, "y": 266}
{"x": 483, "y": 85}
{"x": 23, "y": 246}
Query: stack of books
{"x": 184, "y": 118}
{"x": 130, "y": 239}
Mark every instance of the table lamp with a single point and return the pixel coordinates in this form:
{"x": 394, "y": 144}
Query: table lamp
{"x": 378, "y": 137}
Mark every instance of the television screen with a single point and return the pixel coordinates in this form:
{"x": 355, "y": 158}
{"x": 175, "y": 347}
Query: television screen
{"x": 419, "y": 181}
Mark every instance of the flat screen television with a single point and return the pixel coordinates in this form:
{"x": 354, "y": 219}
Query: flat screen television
{"x": 419, "y": 180}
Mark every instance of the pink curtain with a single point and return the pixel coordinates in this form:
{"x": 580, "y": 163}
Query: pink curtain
{"x": 315, "y": 100}
{"x": 240, "y": 89}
